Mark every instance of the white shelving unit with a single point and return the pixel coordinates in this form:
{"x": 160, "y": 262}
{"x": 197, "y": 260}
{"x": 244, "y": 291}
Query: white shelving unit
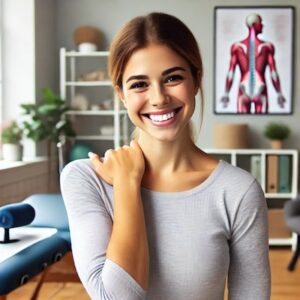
{"x": 234, "y": 155}
{"x": 69, "y": 84}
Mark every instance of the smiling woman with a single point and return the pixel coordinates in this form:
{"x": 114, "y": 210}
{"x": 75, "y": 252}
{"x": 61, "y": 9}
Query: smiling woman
{"x": 160, "y": 218}
{"x": 159, "y": 95}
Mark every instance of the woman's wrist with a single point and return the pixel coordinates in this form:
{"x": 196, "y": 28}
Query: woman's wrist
{"x": 128, "y": 179}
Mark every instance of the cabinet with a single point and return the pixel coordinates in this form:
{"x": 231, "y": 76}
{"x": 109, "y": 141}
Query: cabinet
{"x": 277, "y": 172}
{"x": 99, "y": 118}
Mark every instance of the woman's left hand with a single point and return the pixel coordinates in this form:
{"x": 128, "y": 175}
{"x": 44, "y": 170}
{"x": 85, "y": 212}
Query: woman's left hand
{"x": 120, "y": 163}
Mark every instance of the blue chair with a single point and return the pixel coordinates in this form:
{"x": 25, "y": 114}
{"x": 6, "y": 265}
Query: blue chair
{"x": 48, "y": 211}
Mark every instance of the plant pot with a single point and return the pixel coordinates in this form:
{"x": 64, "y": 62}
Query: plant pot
{"x": 11, "y": 152}
{"x": 276, "y": 144}
{"x": 87, "y": 47}
{"x": 231, "y": 135}
{"x": 88, "y": 38}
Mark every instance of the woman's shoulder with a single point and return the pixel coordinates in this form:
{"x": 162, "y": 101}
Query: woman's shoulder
{"x": 81, "y": 170}
{"x": 79, "y": 167}
{"x": 234, "y": 173}
{"x": 236, "y": 179}
{"x": 238, "y": 188}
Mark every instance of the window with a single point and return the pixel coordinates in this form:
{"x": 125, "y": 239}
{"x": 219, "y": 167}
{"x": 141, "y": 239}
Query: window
{"x": 1, "y": 113}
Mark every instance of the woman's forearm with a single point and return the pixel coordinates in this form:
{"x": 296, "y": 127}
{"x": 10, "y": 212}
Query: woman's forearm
{"x": 128, "y": 245}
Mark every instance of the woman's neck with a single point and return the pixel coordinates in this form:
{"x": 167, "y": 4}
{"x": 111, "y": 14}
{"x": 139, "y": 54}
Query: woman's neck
{"x": 174, "y": 166}
{"x": 166, "y": 158}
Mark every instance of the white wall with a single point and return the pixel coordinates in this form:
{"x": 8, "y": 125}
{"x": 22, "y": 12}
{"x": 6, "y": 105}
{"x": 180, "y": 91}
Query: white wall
{"x": 109, "y": 15}
{"x": 18, "y": 55}
{"x": 46, "y": 59}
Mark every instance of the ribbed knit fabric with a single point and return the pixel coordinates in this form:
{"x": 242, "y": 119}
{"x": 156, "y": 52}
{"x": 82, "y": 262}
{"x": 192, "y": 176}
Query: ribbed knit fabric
{"x": 197, "y": 238}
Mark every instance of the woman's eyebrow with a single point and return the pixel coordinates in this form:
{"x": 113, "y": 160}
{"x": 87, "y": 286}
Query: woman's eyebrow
{"x": 164, "y": 73}
{"x": 171, "y": 70}
{"x": 135, "y": 77}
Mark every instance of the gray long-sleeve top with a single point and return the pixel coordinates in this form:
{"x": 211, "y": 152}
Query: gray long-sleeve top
{"x": 197, "y": 238}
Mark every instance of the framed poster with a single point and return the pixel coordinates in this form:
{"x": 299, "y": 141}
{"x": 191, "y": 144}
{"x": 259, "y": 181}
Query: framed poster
{"x": 253, "y": 60}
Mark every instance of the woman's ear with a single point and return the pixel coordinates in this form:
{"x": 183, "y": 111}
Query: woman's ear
{"x": 196, "y": 90}
{"x": 121, "y": 95}
{"x": 197, "y": 83}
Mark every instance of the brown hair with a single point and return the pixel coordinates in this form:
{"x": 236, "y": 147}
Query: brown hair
{"x": 158, "y": 28}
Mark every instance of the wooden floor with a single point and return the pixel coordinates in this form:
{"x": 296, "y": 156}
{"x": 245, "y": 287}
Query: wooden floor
{"x": 285, "y": 285}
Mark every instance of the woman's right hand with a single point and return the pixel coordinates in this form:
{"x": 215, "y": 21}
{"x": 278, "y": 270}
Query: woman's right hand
{"x": 122, "y": 163}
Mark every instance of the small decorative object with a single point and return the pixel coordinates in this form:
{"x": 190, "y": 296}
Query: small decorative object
{"x": 87, "y": 38}
{"x": 95, "y": 107}
{"x": 107, "y": 130}
{"x": 107, "y": 104}
{"x": 11, "y": 136}
{"x": 80, "y": 151}
{"x": 277, "y": 133}
{"x": 231, "y": 136}
{"x": 80, "y": 102}
{"x": 93, "y": 76}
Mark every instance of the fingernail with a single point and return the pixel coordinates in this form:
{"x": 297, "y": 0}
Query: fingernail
{"x": 91, "y": 154}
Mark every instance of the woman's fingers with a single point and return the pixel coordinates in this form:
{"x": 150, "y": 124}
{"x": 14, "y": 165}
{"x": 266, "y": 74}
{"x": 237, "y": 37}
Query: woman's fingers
{"x": 119, "y": 161}
{"x": 94, "y": 157}
{"x": 134, "y": 144}
{"x": 98, "y": 166}
{"x": 106, "y": 154}
{"x": 97, "y": 163}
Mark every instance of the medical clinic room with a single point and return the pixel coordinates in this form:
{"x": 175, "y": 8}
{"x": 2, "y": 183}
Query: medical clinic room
{"x": 149, "y": 150}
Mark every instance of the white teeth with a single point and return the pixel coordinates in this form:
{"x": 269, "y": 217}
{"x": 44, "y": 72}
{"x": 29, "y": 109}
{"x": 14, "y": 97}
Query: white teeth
{"x": 160, "y": 118}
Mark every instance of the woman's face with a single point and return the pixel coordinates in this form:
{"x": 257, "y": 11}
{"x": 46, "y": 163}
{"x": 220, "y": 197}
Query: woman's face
{"x": 158, "y": 92}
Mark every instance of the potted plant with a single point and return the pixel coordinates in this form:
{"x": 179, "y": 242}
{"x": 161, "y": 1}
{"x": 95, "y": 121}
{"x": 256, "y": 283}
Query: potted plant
{"x": 277, "y": 133}
{"x": 46, "y": 121}
{"x": 11, "y": 137}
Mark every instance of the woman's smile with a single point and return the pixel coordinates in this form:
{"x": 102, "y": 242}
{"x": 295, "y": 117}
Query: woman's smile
{"x": 163, "y": 118}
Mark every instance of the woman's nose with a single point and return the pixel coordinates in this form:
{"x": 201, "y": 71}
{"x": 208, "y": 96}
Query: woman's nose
{"x": 158, "y": 96}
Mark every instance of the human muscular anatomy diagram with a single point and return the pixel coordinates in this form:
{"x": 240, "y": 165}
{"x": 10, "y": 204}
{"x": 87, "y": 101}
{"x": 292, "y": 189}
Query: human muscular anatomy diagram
{"x": 253, "y": 56}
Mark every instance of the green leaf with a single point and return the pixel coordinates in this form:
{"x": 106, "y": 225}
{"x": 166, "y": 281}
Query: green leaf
{"x": 12, "y": 134}
{"x": 45, "y": 116}
{"x": 46, "y": 109}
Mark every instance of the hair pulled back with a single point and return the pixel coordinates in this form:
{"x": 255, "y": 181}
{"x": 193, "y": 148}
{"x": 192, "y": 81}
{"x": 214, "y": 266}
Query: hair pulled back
{"x": 159, "y": 28}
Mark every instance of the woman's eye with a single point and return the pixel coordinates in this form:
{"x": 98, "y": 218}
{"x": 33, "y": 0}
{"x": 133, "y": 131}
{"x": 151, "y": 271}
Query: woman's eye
{"x": 139, "y": 85}
{"x": 173, "y": 78}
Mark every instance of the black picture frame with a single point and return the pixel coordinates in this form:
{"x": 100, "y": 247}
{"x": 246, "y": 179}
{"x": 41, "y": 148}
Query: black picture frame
{"x": 261, "y": 80}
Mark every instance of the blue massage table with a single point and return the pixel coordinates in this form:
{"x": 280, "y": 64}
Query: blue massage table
{"x": 49, "y": 212}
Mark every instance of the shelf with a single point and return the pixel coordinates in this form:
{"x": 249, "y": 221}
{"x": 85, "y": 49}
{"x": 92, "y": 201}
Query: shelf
{"x": 95, "y": 112}
{"x": 250, "y": 151}
{"x": 96, "y": 137}
{"x": 89, "y": 83}
{"x": 281, "y": 242}
{"x": 89, "y": 54}
{"x": 71, "y": 83}
{"x": 279, "y": 195}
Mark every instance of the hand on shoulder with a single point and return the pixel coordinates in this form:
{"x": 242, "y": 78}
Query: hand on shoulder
{"x": 120, "y": 163}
